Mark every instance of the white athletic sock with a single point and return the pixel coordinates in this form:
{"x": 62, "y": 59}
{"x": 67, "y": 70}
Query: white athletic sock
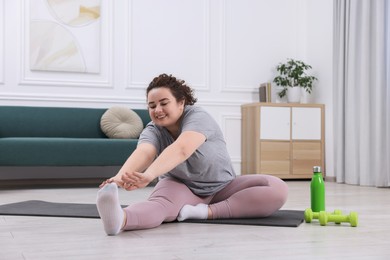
{"x": 109, "y": 208}
{"x": 199, "y": 211}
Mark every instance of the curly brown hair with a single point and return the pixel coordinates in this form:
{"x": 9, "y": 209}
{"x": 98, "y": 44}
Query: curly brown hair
{"x": 178, "y": 88}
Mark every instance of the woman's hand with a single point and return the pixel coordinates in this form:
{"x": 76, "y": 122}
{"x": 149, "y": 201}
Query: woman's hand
{"x": 135, "y": 180}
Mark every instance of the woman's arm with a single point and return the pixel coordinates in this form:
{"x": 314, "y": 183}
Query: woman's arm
{"x": 179, "y": 151}
{"x": 138, "y": 161}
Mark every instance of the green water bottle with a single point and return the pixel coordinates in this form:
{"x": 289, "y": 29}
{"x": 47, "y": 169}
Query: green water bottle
{"x": 317, "y": 190}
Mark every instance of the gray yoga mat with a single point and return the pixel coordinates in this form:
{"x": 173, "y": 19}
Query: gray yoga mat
{"x": 281, "y": 218}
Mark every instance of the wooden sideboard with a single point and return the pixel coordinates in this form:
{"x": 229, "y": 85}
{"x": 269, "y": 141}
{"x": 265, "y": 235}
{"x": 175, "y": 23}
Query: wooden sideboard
{"x": 282, "y": 139}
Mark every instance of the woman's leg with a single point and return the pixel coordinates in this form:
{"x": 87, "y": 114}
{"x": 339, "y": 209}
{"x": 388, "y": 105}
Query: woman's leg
{"x": 249, "y": 196}
{"x": 163, "y": 205}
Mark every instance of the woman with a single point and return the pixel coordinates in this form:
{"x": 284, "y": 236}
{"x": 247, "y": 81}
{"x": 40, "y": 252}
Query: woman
{"x": 184, "y": 147}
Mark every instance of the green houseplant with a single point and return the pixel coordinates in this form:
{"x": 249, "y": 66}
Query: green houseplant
{"x": 293, "y": 74}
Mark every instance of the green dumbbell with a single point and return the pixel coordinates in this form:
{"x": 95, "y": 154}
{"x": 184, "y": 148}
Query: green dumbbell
{"x": 352, "y": 218}
{"x": 310, "y": 215}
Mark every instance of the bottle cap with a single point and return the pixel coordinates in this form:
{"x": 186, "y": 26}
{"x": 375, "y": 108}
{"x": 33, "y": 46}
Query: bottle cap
{"x": 317, "y": 169}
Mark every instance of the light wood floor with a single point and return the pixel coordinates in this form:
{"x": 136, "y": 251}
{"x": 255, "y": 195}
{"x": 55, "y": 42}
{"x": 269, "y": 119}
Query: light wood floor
{"x": 71, "y": 238}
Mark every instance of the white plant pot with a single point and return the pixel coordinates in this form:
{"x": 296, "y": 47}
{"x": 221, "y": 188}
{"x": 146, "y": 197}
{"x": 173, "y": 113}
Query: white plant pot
{"x": 305, "y": 97}
{"x": 294, "y": 95}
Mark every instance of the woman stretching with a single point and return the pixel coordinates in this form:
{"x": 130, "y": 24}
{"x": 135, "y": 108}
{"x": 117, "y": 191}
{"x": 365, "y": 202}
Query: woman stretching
{"x": 184, "y": 147}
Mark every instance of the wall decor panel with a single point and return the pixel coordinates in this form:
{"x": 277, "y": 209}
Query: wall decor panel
{"x": 59, "y": 50}
{"x": 65, "y": 36}
{"x": 178, "y": 43}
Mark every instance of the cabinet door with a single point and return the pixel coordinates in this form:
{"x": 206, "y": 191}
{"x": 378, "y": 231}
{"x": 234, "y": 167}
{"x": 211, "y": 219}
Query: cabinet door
{"x": 306, "y": 123}
{"x": 275, "y": 123}
{"x": 306, "y": 154}
{"x": 275, "y": 157}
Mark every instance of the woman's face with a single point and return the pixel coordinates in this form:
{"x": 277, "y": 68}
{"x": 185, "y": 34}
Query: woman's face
{"x": 164, "y": 110}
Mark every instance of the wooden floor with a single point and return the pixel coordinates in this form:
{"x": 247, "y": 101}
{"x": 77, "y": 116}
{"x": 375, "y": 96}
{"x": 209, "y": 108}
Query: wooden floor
{"x": 71, "y": 238}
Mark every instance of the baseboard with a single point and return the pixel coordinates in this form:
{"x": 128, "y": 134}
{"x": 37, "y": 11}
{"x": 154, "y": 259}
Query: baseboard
{"x": 56, "y": 176}
{"x": 330, "y": 178}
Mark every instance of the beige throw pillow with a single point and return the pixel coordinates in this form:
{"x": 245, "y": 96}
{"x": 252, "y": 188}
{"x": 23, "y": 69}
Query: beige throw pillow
{"x": 121, "y": 122}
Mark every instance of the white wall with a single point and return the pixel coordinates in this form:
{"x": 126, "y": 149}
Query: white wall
{"x": 223, "y": 48}
{"x": 319, "y": 53}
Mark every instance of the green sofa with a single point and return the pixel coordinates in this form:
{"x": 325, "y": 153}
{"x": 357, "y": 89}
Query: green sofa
{"x": 54, "y": 143}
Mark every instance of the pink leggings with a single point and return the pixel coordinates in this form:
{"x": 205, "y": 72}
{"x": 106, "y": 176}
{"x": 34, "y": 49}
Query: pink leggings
{"x": 246, "y": 196}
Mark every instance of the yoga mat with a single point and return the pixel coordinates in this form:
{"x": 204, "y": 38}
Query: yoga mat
{"x": 281, "y": 218}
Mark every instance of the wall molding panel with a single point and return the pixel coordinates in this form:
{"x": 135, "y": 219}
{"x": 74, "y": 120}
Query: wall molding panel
{"x": 249, "y": 57}
{"x": 2, "y": 43}
{"x": 140, "y": 36}
{"x": 83, "y": 99}
{"x": 225, "y": 87}
{"x": 231, "y": 128}
{"x": 104, "y": 79}
{"x": 229, "y": 124}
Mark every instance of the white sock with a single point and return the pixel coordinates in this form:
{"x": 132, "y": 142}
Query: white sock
{"x": 199, "y": 211}
{"x": 109, "y": 208}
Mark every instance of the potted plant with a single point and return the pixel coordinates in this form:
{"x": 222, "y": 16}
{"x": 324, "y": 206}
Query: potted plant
{"x": 293, "y": 74}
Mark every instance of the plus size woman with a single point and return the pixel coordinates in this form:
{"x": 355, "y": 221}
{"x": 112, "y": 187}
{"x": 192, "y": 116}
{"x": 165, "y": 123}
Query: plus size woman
{"x": 184, "y": 148}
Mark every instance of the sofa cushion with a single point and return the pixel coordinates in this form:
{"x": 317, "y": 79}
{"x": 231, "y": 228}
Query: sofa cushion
{"x": 121, "y": 122}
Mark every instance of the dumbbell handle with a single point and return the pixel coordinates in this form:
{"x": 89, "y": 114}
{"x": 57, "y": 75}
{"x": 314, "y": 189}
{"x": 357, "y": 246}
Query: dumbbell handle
{"x": 310, "y": 215}
{"x": 352, "y": 218}
{"x": 334, "y": 213}
{"x": 339, "y": 218}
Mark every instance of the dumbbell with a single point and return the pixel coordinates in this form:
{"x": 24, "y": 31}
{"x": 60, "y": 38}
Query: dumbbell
{"x": 352, "y": 218}
{"x": 310, "y": 215}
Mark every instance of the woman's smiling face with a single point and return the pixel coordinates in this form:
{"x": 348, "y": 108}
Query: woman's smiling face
{"x": 164, "y": 109}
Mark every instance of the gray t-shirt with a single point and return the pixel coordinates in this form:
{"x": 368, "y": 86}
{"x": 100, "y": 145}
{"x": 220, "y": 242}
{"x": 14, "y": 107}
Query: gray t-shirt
{"x": 209, "y": 168}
